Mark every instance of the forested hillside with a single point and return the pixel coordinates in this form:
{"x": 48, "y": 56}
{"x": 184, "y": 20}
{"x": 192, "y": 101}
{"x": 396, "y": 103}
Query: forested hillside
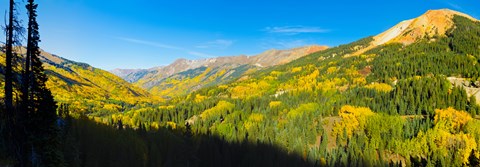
{"x": 391, "y": 104}
{"x": 185, "y": 76}
{"x": 374, "y": 102}
{"x": 85, "y": 88}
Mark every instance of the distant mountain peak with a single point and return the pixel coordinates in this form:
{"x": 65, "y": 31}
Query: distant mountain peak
{"x": 431, "y": 23}
{"x": 124, "y": 72}
{"x": 209, "y": 71}
{"x": 268, "y": 58}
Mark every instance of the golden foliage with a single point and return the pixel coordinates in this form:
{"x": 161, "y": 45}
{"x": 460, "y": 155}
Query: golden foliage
{"x": 331, "y": 84}
{"x": 296, "y": 69}
{"x": 220, "y": 73}
{"x": 112, "y": 107}
{"x": 331, "y": 70}
{"x": 274, "y": 104}
{"x": 302, "y": 109}
{"x": 381, "y": 87}
{"x": 270, "y": 78}
{"x": 240, "y": 91}
{"x": 155, "y": 125}
{"x": 275, "y": 73}
{"x": 359, "y": 81}
{"x": 448, "y": 135}
{"x": 302, "y": 83}
{"x": 172, "y": 125}
{"x": 199, "y": 98}
{"x": 253, "y": 120}
{"x": 176, "y": 87}
{"x": 451, "y": 119}
{"x": 352, "y": 72}
{"x": 470, "y": 145}
{"x": 310, "y": 82}
{"x": 248, "y": 125}
{"x": 222, "y": 86}
{"x": 221, "y": 108}
{"x": 249, "y": 90}
{"x": 256, "y": 117}
{"x": 87, "y": 89}
{"x": 169, "y": 107}
{"x": 353, "y": 119}
{"x": 441, "y": 142}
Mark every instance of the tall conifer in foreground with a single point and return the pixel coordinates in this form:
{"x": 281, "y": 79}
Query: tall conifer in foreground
{"x": 10, "y": 128}
{"x": 8, "y": 61}
{"x": 40, "y": 106}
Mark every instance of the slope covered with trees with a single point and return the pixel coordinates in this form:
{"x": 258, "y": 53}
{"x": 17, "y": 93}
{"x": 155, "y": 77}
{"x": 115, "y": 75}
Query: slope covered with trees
{"x": 85, "y": 88}
{"x": 358, "y": 104}
{"x": 185, "y": 76}
{"x": 392, "y": 104}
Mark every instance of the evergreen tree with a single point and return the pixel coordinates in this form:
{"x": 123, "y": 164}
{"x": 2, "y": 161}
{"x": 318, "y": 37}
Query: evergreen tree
{"x": 11, "y": 129}
{"x": 8, "y": 60}
{"x": 41, "y": 119}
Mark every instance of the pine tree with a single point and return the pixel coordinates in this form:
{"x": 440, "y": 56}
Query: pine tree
{"x": 12, "y": 130}
{"x": 8, "y": 59}
{"x": 42, "y": 117}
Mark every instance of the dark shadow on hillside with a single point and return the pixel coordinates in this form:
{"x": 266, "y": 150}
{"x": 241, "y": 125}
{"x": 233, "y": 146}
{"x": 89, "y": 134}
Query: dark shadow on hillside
{"x": 92, "y": 144}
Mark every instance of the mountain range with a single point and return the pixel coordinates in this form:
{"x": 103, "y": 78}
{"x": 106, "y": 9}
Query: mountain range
{"x": 77, "y": 82}
{"x": 407, "y": 96}
{"x": 184, "y": 76}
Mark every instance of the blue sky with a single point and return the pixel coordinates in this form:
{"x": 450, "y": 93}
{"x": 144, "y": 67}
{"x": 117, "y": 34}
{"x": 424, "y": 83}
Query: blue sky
{"x": 145, "y": 33}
